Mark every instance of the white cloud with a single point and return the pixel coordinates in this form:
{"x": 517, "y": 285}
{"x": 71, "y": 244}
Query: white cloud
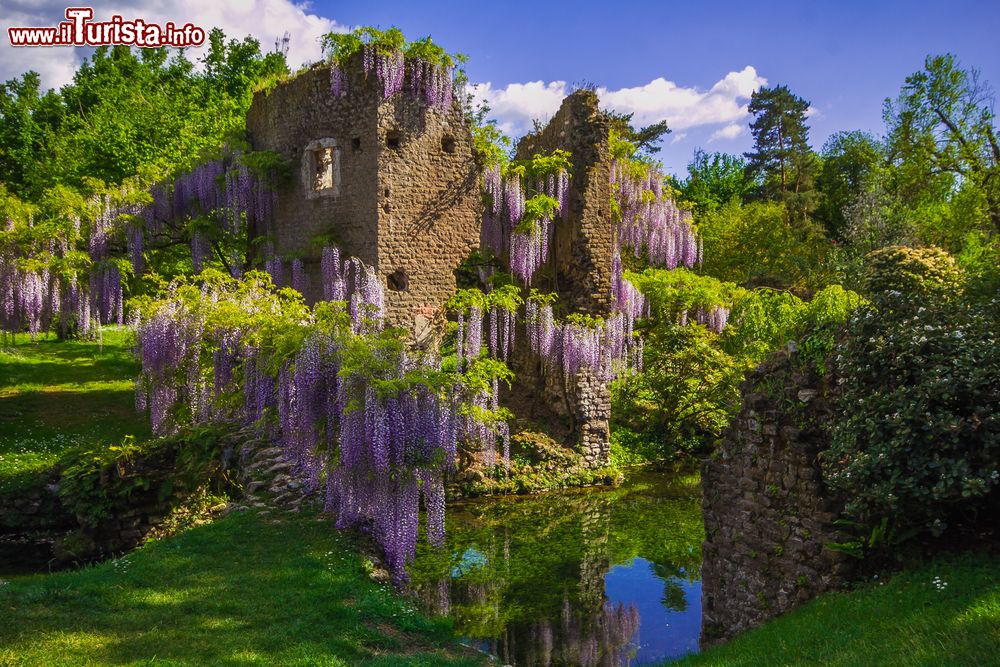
{"x": 727, "y": 132}
{"x": 678, "y": 136}
{"x": 517, "y": 104}
{"x": 266, "y": 20}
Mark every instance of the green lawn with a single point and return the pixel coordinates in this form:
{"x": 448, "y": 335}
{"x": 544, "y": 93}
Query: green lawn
{"x": 244, "y": 590}
{"x": 910, "y": 620}
{"x": 55, "y": 396}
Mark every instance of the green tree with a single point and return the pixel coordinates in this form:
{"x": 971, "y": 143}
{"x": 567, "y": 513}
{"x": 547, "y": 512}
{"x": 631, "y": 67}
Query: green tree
{"x": 646, "y": 138}
{"x": 715, "y": 179}
{"x": 942, "y": 135}
{"x": 781, "y": 159}
{"x": 852, "y": 161}
{"x": 758, "y": 244}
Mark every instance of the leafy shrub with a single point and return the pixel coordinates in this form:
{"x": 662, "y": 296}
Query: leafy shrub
{"x": 686, "y": 392}
{"x": 910, "y": 271}
{"x": 689, "y": 387}
{"x": 917, "y": 443}
{"x": 98, "y": 484}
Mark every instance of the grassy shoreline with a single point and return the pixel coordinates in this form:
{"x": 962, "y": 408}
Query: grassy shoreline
{"x": 943, "y": 613}
{"x": 244, "y": 590}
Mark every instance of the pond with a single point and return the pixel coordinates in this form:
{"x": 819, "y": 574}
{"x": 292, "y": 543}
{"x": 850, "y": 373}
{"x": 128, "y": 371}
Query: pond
{"x": 578, "y": 577}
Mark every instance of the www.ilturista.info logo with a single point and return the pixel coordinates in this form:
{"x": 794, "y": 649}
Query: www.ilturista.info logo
{"x": 79, "y": 30}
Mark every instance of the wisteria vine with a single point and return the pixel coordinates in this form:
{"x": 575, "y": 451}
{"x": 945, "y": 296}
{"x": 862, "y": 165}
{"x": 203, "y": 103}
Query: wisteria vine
{"x": 372, "y": 426}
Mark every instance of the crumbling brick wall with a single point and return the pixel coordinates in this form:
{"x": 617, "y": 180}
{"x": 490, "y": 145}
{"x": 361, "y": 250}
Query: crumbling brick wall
{"x": 584, "y": 242}
{"x": 579, "y": 271}
{"x": 768, "y": 516}
{"x": 405, "y": 198}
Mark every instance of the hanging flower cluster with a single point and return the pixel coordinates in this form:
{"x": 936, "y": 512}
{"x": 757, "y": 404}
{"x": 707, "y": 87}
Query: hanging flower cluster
{"x": 225, "y": 190}
{"x": 486, "y": 328}
{"x": 715, "y": 318}
{"x": 604, "y": 346}
{"x": 522, "y": 224}
{"x": 431, "y": 82}
{"x": 370, "y": 424}
{"x": 650, "y": 221}
{"x": 352, "y": 281}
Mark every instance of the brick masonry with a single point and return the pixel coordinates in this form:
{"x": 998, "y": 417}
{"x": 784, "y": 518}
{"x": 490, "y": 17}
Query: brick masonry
{"x": 768, "y": 516}
{"x": 402, "y": 194}
{"x": 405, "y": 197}
{"x": 578, "y": 270}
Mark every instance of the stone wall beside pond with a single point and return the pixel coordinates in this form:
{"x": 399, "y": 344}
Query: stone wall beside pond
{"x": 768, "y": 516}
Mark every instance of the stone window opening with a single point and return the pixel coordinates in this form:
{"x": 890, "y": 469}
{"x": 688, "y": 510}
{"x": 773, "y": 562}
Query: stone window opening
{"x": 356, "y": 144}
{"x": 321, "y": 168}
{"x": 448, "y": 144}
{"x": 393, "y": 140}
{"x": 398, "y": 281}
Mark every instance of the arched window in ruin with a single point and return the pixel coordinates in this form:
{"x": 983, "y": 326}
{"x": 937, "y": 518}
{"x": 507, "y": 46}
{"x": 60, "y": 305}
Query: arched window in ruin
{"x": 321, "y": 168}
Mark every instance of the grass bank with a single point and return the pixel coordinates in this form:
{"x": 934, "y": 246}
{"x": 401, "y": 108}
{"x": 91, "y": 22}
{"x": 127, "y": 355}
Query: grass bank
{"x": 56, "y": 396}
{"x": 946, "y": 613}
{"x": 245, "y": 590}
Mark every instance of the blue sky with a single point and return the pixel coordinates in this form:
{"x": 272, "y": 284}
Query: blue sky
{"x": 693, "y": 63}
{"x": 844, "y": 57}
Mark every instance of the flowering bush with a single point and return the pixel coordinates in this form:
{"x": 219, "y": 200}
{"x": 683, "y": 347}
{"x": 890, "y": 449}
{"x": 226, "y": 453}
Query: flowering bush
{"x": 373, "y": 425}
{"x": 917, "y": 442}
{"x": 910, "y": 271}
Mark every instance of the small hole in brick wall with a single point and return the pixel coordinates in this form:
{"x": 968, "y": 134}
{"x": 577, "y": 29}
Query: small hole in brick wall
{"x": 356, "y": 144}
{"x": 393, "y": 140}
{"x": 448, "y": 144}
{"x": 398, "y": 281}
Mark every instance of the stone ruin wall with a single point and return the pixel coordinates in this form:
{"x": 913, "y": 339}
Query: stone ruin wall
{"x": 768, "y": 516}
{"x": 405, "y": 195}
{"x": 405, "y": 199}
{"x": 579, "y": 271}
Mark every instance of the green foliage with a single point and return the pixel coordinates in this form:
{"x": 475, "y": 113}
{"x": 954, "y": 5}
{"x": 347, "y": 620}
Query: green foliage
{"x": 645, "y": 140}
{"x": 917, "y": 442}
{"x": 851, "y": 163}
{"x": 541, "y": 166}
{"x": 689, "y": 386}
{"x": 758, "y": 244}
{"x": 491, "y": 145}
{"x": 686, "y": 391}
{"x": 911, "y": 272}
{"x": 714, "y": 180}
{"x": 339, "y": 47}
{"x": 105, "y": 482}
{"x": 507, "y": 297}
{"x": 127, "y": 113}
{"x": 942, "y": 134}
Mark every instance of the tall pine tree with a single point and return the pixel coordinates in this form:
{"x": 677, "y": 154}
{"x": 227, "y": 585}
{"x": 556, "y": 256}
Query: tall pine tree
{"x": 781, "y": 160}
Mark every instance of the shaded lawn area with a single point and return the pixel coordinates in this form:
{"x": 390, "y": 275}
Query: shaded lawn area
{"x": 245, "y": 590}
{"x": 910, "y": 620}
{"x": 56, "y": 396}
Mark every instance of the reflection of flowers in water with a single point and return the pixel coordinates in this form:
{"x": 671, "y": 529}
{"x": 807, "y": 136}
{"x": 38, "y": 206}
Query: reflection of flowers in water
{"x": 599, "y": 639}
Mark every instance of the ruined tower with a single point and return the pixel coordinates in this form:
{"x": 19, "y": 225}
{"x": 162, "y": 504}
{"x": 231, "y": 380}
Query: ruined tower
{"x": 393, "y": 182}
{"x": 579, "y": 270}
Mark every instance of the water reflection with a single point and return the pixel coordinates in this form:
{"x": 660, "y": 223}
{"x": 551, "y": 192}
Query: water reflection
{"x": 597, "y": 577}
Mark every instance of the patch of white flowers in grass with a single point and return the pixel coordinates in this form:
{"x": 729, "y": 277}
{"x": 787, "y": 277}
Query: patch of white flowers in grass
{"x": 939, "y": 583}
{"x": 121, "y": 565}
